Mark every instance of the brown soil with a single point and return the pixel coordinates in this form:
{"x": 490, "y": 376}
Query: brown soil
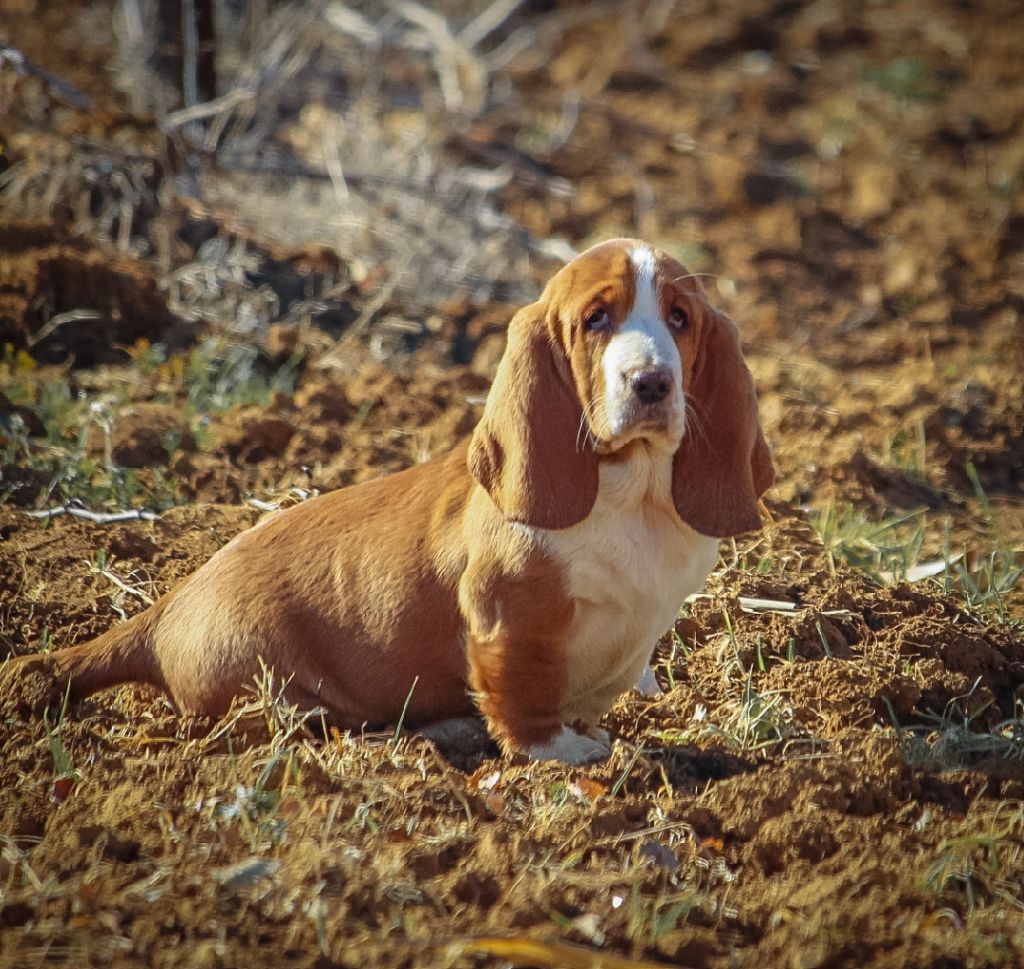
{"x": 852, "y": 175}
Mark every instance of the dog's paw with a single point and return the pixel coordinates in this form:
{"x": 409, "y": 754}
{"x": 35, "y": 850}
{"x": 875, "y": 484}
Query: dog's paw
{"x": 648, "y": 685}
{"x": 570, "y": 747}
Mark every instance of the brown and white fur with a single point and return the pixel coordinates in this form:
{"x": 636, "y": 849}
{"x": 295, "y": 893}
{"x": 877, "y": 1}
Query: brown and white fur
{"x": 527, "y": 573}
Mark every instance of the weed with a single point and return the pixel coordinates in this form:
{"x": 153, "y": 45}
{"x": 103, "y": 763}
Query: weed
{"x": 363, "y": 819}
{"x": 758, "y": 721}
{"x": 906, "y": 78}
{"x": 558, "y": 793}
{"x": 16, "y": 362}
{"x": 987, "y": 582}
{"x": 64, "y": 454}
{"x": 957, "y": 739}
{"x": 887, "y": 548}
{"x": 62, "y": 763}
{"x": 652, "y": 919}
{"x": 624, "y": 776}
{"x": 216, "y": 376}
{"x": 750, "y": 723}
{"x": 981, "y": 867}
{"x": 405, "y": 710}
{"x": 907, "y": 449}
{"x": 890, "y": 551}
{"x": 979, "y": 491}
{"x": 75, "y": 450}
{"x": 255, "y": 806}
{"x": 824, "y": 640}
{"x": 147, "y": 357}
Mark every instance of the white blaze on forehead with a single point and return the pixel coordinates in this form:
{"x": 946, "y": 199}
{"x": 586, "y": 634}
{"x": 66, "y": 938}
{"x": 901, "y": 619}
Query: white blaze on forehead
{"x": 645, "y": 340}
{"x": 645, "y": 267}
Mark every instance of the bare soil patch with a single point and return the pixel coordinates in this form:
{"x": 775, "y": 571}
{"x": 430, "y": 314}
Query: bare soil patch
{"x": 835, "y": 773}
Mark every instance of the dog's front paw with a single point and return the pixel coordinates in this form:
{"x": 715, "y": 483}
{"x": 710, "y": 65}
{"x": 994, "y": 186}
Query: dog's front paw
{"x": 570, "y": 747}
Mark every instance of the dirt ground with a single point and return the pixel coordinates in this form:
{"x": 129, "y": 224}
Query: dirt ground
{"x": 833, "y": 777}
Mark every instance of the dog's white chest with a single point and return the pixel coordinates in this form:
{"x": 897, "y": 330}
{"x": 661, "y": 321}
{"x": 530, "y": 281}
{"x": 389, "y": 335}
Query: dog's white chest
{"x": 629, "y": 565}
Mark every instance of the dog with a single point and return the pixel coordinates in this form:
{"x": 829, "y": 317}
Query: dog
{"x": 525, "y": 575}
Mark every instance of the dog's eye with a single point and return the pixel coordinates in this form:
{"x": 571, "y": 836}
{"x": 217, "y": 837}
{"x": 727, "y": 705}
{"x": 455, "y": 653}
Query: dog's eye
{"x": 597, "y": 320}
{"x": 678, "y": 318}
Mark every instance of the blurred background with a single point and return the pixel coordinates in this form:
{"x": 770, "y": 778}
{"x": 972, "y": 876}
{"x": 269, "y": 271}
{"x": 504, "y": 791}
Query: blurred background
{"x": 282, "y": 184}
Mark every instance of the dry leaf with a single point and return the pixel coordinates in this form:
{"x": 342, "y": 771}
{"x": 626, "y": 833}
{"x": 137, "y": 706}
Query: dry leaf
{"x": 590, "y": 789}
{"x": 551, "y": 955}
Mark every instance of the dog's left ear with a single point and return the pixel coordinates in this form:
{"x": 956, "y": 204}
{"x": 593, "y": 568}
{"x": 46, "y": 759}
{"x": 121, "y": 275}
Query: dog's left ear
{"x": 723, "y": 465}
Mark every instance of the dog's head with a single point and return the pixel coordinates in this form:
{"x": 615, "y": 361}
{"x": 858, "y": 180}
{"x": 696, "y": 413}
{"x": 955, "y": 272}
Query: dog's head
{"x": 622, "y": 348}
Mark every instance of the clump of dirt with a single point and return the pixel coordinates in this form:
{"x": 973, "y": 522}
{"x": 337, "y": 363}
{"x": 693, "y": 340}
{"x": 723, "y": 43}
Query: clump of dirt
{"x": 144, "y": 435}
{"x": 69, "y": 299}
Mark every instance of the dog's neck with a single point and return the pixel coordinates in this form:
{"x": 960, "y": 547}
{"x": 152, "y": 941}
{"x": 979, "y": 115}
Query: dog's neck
{"x": 638, "y": 474}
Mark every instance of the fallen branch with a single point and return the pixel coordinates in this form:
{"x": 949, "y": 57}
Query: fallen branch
{"x": 65, "y": 90}
{"x": 477, "y": 30}
{"x": 55, "y": 322}
{"x": 207, "y": 109}
{"x": 97, "y": 517}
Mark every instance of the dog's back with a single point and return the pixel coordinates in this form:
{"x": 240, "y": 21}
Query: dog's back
{"x": 323, "y": 594}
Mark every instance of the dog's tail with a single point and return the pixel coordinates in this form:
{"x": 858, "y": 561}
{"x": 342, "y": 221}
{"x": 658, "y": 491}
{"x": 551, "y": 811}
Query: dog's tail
{"x": 121, "y": 655}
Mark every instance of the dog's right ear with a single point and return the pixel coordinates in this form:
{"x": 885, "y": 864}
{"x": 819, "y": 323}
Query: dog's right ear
{"x": 529, "y": 450}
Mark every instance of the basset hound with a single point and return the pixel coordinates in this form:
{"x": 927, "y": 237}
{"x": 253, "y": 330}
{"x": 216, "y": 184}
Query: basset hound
{"x": 528, "y": 573}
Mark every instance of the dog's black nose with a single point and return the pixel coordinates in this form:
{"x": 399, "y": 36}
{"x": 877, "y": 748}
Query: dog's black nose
{"x": 651, "y": 384}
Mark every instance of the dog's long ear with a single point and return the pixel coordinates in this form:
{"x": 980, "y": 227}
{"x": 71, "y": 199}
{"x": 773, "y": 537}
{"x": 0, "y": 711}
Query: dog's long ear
{"x": 723, "y": 464}
{"x": 530, "y": 451}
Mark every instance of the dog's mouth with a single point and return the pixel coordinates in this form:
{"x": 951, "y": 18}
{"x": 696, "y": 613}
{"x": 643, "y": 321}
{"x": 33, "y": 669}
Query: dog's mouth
{"x": 655, "y": 424}
{"x": 620, "y": 420}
